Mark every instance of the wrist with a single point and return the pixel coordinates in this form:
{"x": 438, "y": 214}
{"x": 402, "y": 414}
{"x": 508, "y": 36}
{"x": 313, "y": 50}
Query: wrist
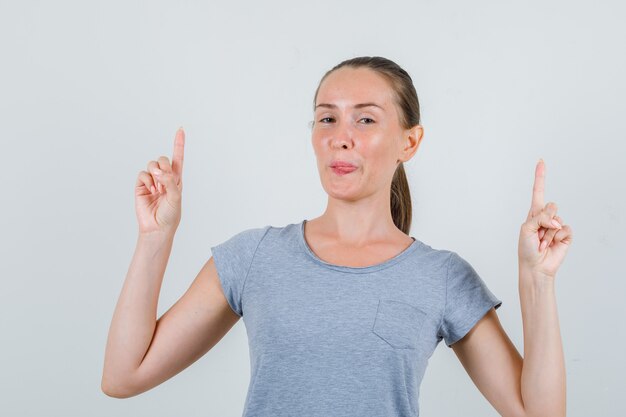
{"x": 156, "y": 237}
{"x": 535, "y": 279}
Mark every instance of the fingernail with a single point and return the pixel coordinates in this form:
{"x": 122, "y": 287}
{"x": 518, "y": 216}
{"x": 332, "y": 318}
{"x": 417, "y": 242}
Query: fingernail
{"x": 557, "y": 224}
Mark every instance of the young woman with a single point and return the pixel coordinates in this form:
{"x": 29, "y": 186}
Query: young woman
{"x": 343, "y": 311}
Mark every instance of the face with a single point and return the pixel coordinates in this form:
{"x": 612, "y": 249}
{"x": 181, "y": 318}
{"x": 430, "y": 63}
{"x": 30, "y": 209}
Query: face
{"x": 357, "y": 121}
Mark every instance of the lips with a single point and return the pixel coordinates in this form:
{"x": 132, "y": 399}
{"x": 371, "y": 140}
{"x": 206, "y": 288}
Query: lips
{"x": 343, "y": 170}
{"x": 342, "y": 164}
{"x": 341, "y": 167}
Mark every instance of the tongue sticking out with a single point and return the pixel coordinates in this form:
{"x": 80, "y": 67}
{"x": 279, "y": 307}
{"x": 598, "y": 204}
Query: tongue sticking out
{"x": 341, "y": 170}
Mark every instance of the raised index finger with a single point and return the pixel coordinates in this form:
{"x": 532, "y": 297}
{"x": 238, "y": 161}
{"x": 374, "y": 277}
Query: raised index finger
{"x": 538, "y": 187}
{"x": 178, "y": 156}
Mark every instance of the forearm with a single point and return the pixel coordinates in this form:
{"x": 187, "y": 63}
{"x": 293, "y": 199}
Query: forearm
{"x": 543, "y": 373}
{"x": 134, "y": 318}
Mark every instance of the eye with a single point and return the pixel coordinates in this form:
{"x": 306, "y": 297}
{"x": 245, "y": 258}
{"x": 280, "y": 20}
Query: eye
{"x": 326, "y": 118}
{"x": 367, "y": 118}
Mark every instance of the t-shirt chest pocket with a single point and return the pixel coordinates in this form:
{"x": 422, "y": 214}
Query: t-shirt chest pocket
{"x": 398, "y": 323}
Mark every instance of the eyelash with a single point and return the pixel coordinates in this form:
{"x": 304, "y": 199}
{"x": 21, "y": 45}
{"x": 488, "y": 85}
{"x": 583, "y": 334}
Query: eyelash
{"x": 368, "y": 118}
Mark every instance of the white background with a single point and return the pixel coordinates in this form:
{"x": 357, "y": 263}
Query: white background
{"x": 92, "y": 91}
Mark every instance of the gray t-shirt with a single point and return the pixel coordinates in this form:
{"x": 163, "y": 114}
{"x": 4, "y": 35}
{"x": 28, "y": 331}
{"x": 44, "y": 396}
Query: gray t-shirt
{"x": 330, "y": 340}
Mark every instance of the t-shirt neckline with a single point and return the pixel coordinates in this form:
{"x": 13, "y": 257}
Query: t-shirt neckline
{"x": 355, "y": 269}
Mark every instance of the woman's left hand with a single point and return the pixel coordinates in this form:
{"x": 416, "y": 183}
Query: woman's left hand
{"x": 544, "y": 238}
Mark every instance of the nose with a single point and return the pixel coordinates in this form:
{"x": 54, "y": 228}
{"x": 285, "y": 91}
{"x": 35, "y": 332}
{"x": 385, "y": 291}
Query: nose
{"x": 342, "y": 135}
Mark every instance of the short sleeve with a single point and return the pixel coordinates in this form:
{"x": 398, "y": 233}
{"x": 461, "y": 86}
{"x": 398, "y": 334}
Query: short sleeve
{"x": 467, "y": 300}
{"x": 233, "y": 259}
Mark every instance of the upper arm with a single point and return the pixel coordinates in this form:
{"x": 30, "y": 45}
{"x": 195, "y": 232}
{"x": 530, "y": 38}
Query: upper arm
{"x": 494, "y": 364}
{"x": 185, "y": 332}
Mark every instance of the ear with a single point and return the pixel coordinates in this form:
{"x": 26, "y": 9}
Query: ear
{"x": 411, "y": 140}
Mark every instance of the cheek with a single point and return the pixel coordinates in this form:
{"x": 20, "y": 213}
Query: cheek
{"x": 376, "y": 151}
{"x": 317, "y": 142}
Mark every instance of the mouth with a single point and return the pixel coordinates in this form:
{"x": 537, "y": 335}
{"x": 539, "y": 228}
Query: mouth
{"x": 342, "y": 170}
{"x": 337, "y": 163}
{"x": 342, "y": 167}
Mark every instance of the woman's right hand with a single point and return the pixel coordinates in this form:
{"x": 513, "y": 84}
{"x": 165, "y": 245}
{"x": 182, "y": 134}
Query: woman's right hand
{"x": 158, "y": 191}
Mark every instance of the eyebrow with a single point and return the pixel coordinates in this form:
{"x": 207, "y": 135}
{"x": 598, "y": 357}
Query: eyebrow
{"x": 356, "y": 106}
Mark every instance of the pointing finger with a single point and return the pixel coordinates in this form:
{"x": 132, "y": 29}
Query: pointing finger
{"x": 178, "y": 156}
{"x": 538, "y": 187}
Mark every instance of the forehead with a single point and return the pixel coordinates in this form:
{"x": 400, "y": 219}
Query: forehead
{"x": 347, "y": 86}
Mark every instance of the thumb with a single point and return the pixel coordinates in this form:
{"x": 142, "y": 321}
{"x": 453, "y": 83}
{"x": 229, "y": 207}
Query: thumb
{"x": 542, "y": 219}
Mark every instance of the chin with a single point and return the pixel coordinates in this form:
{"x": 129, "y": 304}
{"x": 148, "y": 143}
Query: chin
{"x": 342, "y": 192}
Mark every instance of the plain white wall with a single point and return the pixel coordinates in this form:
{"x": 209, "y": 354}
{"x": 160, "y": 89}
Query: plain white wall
{"x": 91, "y": 91}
